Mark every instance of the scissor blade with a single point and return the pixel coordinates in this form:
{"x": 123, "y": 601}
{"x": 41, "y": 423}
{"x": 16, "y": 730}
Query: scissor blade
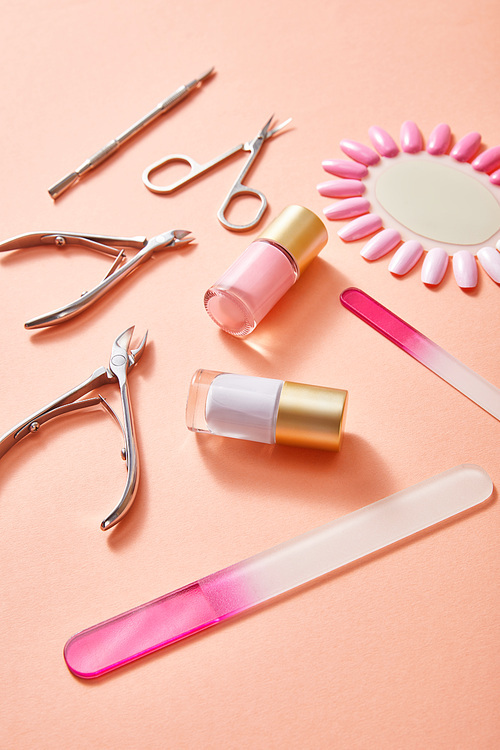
{"x": 278, "y": 128}
{"x": 265, "y": 128}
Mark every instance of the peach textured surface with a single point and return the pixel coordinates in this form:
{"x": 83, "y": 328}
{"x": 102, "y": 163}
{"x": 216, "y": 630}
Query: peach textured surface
{"x": 400, "y": 651}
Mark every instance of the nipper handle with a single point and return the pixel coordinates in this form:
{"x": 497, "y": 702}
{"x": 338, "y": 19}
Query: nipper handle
{"x": 132, "y": 460}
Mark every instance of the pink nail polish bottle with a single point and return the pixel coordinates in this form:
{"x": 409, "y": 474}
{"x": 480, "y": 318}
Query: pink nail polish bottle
{"x": 267, "y": 269}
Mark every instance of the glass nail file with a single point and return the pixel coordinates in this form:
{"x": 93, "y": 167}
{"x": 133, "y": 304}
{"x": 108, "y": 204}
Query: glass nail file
{"x": 224, "y": 594}
{"x": 425, "y": 351}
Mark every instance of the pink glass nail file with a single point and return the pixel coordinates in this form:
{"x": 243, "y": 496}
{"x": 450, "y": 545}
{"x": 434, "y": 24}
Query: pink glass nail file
{"x": 418, "y": 346}
{"x": 228, "y": 592}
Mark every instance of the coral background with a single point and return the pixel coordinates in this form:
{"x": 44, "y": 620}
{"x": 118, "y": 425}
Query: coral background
{"x": 400, "y": 651}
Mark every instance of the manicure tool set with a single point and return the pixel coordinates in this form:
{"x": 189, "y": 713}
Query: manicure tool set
{"x": 269, "y": 410}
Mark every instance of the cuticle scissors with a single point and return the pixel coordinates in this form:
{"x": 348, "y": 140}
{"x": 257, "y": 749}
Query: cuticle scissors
{"x": 238, "y": 189}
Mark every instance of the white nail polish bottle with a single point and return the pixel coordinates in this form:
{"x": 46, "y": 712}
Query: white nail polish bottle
{"x": 265, "y": 410}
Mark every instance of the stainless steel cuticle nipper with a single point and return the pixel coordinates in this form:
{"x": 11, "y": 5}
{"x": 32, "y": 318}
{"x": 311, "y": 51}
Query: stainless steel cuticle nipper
{"x": 122, "y": 359}
{"x": 103, "y": 244}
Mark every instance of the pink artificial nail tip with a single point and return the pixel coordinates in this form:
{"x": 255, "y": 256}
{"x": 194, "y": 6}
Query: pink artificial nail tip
{"x": 347, "y": 208}
{"x": 467, "y": 147}
{"x": 465, "y": 269}
{"x": 411, "y": 138}
{"x": 383, "y": 142}
{"x": 439, "y": 139}
{"x": 489, "y": 259}
{"x": 406, "y": 257}
{"x": 495, "y": 177}
{"x": 488, "y": 161}
{"x": 341, "y": 188}
{"x": 434, "y": 266}
{"x": 360, "y": 227}
{"x": 359, "y": 152}
{"x": 381, "y": 244}
{"x": 343, "y": 168}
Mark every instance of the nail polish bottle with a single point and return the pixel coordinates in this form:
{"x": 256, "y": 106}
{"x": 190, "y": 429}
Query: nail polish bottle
{"x": 265, "y": 410}
{"x": 267, "y": 269}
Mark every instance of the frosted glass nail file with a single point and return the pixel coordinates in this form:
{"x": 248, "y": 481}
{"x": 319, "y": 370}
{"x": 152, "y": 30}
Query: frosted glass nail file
{"x": 228, "y": 592}
{"x": 425, "y": 351}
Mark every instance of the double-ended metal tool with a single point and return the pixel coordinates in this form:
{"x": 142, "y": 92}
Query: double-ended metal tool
{"x": 122, "y": 359}
{"x": 113, "y": 145}
{"x": 109, "y": 245}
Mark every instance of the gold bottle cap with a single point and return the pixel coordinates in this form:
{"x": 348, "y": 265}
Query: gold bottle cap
{"x": 300, "y": 232}
{"x": 311, "y": 416}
